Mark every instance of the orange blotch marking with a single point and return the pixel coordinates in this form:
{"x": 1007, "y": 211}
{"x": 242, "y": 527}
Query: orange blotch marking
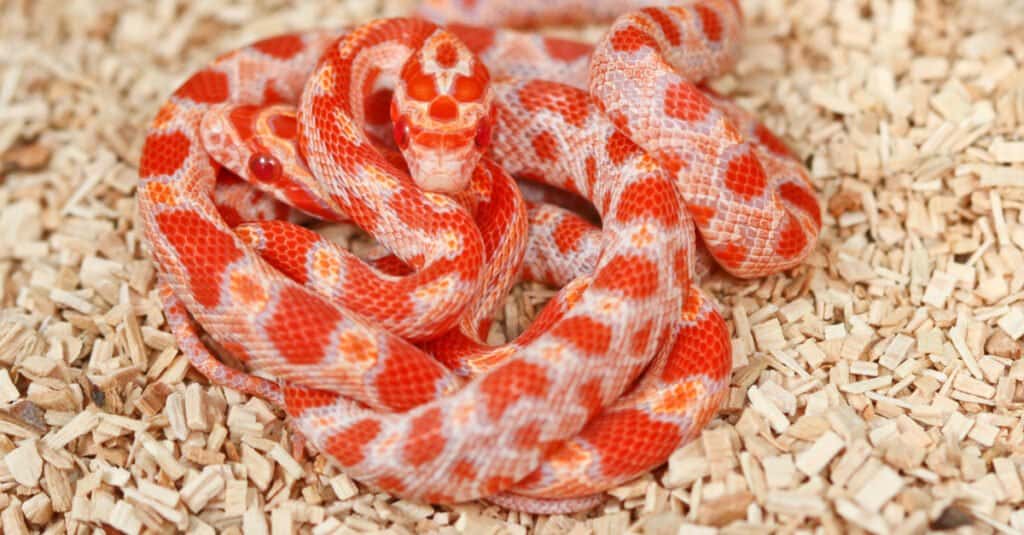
{"x": 281, "y": 47}
{"x": 708, "y": 409}
{"x": 271, "y": 95}
{"x": 298, "y": 399}
{"x": 464, "y": 470}
{"x": 527, "y": 436}
{"x": 443, "y": 109}
{"x": 203, "y": 249}
{"x": 591, "y": 169}
{"x": 630, "y": 442}
{"x": 568, "y": 233}
{"x": 620, "y": 147}
{"x": 701, "y": 214}
{"x": 591, "y": 398}
{"x": 553, "y": 354}
{"x": 642, "y": 237}
{"x": 284, "y": 125}
{"x": 586, "y": 334}
{"x": 447, "y": 55}
{"x": 419, "y": 86}
{"x": 569, "y": 102}
{"x": 359, "y": 348}
{"x": 692, "y": 303}
{"x": 631, "y": 38}
{"x": 247, "y": 290}
{"x": 792, "y": 238}
{"x": 243, "y": 119}
{"x": 497, "y": 484}
{"x": 468, "y": 88}
{"x": 730, "y": 255}
{"x": 408, "y": 378}
{"x": 474, "y": 37}
{"x": 427, "y": 440}
{"x": 494, "y": 357}
{"x": 511, "y": 382}
{"x": 664, "y": 20}
{"x": 230, "y": 215}
{"x": 700, "y": 347}
{"x": 531, "y": 480}
{"x": 422, "y": 88}
{"x": 163, "y": 154}
{"x": 622, "y": 121}
{"x": 160, "y": 193}
{"x": 206, "y": 87}
{"x": 682, "y": 267}
{"x": 347, "y": 445}
{"x": 770, "y": 141}
{"x": 710, "y": 22}
{"x": 565, "y": 49}
{"x": 282, "y": 244}
{"x": 634, "y": 276}
{"x": 677, "y": 398}
{"x": 685, "y": 102}
{"x": 745, "y": 176}
{"x": 326, "y": 266}
{"x": 165, "y": 114}
{"x": 438, "y": 497}
{"x": 569, "y": 454}
{"x": 237, "y": 350}
{"x": 802, "y": 198}
{"x": 301, "y": 326}
{"x": 326, "y": 78}
{"x": 652, "y": 198}
{"x": 545, "y": 146}
{"x": 431, "y": 139}
{"x": 391, "y": 484}
{"x": 640, "y": 339}
{"x": 438, "y": 287}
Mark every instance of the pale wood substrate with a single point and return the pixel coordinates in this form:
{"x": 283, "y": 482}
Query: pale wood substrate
{"x": 878, "y": 389}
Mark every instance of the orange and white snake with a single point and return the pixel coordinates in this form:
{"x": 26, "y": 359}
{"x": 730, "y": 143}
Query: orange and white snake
{"x": 414, "y": 132}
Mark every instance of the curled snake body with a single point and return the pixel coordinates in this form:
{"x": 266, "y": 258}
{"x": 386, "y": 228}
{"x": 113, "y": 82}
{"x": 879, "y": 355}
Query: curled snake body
{"x": 382, "y": 365}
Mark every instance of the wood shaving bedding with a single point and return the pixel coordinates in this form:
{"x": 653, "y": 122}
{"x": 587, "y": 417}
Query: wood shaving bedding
{"x": 877, "y": 389}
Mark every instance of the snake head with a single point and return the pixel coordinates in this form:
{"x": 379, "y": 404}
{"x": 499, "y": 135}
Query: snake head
{"x": 443, "y": 113}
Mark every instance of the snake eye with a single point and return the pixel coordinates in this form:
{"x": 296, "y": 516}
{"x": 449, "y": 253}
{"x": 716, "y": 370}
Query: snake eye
{"x": 483, "y": 133}
{"x": 264, "y": 167}
{"x": 402, "y": 133}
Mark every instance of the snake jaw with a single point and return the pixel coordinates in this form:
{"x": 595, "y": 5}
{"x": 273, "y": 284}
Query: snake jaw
{"x": 436, "y": 170}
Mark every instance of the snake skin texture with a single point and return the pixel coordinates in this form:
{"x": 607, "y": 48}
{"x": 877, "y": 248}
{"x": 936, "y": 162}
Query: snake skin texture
{"x": 418, "y": 133}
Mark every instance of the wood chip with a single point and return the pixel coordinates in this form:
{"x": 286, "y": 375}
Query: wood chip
{"x": 199, "y": 489}
{"x": 878, "y": 490}
{"x": 24, "y": 464}
{"x": 812, "y": 460}
{"x": 123, "y": 518}
{"x": 766, "y": 408}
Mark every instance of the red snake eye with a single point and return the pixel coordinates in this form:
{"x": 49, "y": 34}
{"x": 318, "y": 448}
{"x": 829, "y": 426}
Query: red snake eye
{"x": 483, "y": 134}
{"x": 402, "y": 133}
{"x": 264, "y": 167}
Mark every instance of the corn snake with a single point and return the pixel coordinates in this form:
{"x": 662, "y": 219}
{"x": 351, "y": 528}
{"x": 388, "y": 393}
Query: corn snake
{"x": 627, "y": 362}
